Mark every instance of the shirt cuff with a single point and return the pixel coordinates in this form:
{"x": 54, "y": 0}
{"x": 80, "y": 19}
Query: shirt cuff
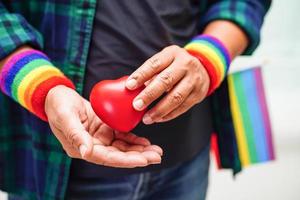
{"x": 15, "y": 32}
{"x": 248, "y": 15}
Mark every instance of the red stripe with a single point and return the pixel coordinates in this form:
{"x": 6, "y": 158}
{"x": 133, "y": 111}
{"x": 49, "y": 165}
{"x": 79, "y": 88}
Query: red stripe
{"x": 211, "y": 70}
{"x": 39, "y": 95}
{"x": 215, "y": 149}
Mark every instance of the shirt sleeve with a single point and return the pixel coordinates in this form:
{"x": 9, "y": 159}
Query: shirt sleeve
{"x": 15, "y": 31}
{"x": 247, "y": 14}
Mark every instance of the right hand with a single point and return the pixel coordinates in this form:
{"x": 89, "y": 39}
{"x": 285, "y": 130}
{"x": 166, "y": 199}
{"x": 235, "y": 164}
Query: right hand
{"x": 83, "y": 135}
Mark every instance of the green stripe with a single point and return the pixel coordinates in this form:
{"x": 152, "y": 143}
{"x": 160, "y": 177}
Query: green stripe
{"x": 245, "y": 117}
{"x": 23, "y": 72}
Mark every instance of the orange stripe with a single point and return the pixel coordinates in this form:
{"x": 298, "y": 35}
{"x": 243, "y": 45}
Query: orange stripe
{"x": 35, "y": 82}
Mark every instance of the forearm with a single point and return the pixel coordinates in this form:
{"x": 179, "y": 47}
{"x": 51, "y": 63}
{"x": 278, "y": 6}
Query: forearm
{"x": 232, "y": 36}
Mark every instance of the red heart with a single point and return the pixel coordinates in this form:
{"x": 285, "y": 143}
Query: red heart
{"x": 112, "y": 102}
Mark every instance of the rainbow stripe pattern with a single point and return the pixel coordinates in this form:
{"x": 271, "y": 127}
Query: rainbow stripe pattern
{"x": 250, "y": 117}
{"x": 213, "y": 55}
{"x": 243, "y": 134}
{"x": 27, "y": 77}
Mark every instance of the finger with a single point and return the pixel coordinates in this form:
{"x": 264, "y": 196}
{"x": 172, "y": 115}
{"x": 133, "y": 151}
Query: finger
{"x": 170, "y": 102}
{"x": 152, "y": 157}
{"x": 155, "y": 148}
{"x": 132, "y": 138}
{"x": 162, "y": 83}
{"x": 103, "y": 156}
{"x": 105, "y": 134}
{"x": 94, "y": 122}
{"x": 185, "y": 106}
{"x": 68, "y": 148}
{"x": 123, "y": 146}
{"x": 149, "y": 81}
{"x": 76, "y": 134}
{"x": 152, "y": 66}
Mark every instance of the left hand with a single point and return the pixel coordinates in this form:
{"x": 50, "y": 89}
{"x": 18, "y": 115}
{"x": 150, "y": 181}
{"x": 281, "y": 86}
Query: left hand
{"x": 83, "y": 135}
{"x": 175, "y": 71}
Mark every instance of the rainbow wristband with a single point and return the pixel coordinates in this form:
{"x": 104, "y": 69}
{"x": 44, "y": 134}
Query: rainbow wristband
{"x": 213, "y": 55}
{"x": 28, "y": 76}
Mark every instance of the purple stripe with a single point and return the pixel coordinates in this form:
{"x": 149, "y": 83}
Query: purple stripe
{"x": 10, "y": 77}
{"x": 264, "y": 109}
{"x": 11, "y": 62}
{"x": 6, "y": 68}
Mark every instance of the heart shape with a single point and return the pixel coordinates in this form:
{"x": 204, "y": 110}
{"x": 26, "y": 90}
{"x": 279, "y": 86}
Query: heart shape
{"x": 112, "y": 103}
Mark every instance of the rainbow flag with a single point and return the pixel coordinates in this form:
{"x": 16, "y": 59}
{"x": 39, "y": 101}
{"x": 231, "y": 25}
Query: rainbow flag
{"x": 247, "y": 136}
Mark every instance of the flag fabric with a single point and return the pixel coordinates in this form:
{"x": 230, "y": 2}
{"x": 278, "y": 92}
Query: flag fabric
{"x": 248, "y": 136}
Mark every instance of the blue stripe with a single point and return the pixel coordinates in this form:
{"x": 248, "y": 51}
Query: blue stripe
{"x": 9, "y": 79}
{"x": 219, "y": 46}
{"x": 257, "y": 123}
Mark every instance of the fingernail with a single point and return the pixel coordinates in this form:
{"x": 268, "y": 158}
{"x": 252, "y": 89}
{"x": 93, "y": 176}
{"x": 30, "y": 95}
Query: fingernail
{"x": 138, "y": 104}
{"x": 82, "y": 150}
{"x": 147, "y": 119}
{"x": 131, "y": 84}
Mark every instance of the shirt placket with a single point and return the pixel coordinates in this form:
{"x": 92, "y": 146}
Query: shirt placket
{"x": 80, "y": 37}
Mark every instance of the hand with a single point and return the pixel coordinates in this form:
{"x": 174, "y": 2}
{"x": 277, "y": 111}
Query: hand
{"x": 175, "y": 71}
{"x": 83, "y": 135}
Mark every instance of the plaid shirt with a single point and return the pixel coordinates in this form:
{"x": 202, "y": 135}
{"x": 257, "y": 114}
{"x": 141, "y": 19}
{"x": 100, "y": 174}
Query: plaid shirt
{"x": 32, "y": 162}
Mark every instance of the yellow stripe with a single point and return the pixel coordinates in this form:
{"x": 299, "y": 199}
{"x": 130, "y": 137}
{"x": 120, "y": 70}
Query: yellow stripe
{"x": 238, "y": 125}
{"x": 212, "y": 55}
{"x": 35, "y": 82}
{"x": 26, "y": 82}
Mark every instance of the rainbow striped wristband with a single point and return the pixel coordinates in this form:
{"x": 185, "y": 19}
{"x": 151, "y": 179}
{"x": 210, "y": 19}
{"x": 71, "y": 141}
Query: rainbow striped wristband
{"x": 28, "y": 76}
{"x": 213, "y": 55}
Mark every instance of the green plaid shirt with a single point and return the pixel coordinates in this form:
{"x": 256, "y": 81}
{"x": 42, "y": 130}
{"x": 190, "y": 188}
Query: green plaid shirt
{"x": 32, "y": 162}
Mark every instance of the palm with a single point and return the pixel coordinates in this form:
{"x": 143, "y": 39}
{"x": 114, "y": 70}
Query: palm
{"x": 117, "y": 148}
{"x": 78, "y": 122}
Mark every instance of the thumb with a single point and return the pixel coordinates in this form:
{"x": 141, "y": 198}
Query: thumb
{"x": 76, "y": 134}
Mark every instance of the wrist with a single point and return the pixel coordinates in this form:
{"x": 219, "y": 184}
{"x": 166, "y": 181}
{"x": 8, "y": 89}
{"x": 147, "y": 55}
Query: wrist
{"x": 214, "y": 57}
{"x": 52, "y": 94}
{"x": 27, "y": 77}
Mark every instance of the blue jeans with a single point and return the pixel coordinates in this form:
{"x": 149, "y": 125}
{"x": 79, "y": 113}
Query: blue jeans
{"x": 185, "y": 181}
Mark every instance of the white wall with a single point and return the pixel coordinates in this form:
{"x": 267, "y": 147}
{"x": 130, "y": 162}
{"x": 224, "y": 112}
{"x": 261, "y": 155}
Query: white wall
{"x": 3, "y": 196}
{"x": 280, "y": 54}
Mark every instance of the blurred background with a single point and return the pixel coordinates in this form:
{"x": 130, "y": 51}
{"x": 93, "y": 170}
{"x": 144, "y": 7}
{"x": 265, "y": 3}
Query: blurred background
{"x": 279, "y": 54}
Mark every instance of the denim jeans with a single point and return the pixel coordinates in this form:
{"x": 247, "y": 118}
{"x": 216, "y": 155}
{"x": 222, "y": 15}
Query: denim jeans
{"x": 185, "y": 181}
